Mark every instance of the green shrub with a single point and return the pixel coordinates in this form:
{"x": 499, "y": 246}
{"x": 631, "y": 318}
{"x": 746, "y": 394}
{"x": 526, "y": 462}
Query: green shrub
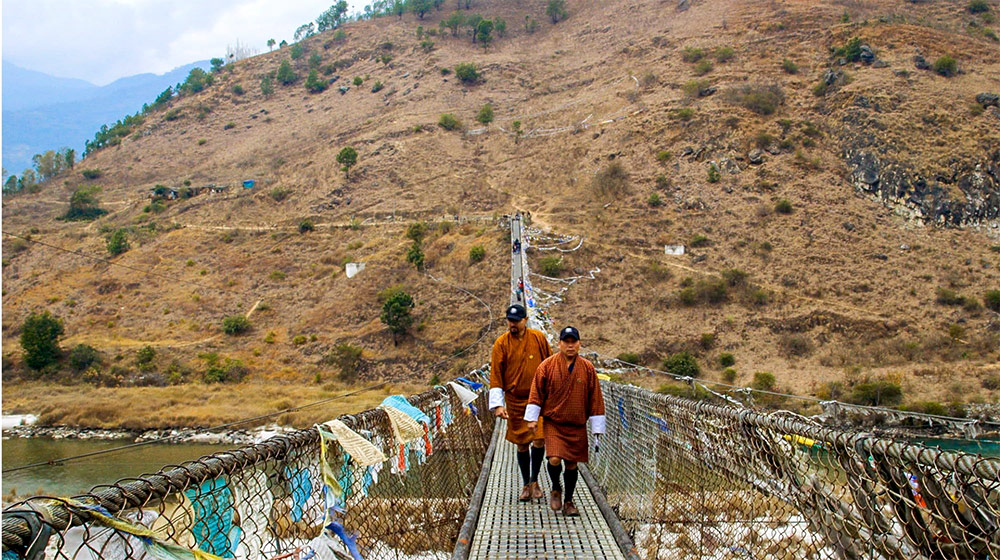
{"x": 235, "y": 324}
{"x": 687, "y": 296}
{"x": 612, "y": 181}
{"x": 629, "y": 358}
{"x": 707, "y": 341}
{"x": 280, "y": 193}
{"x": 555, "y": 9}
{"x": 877, "y": 393}
{"x": 314, "y": 84}
{"x": 299, "y": 339}
{"x": 551, "y": 265}
{"x": 266, "y": 86}
{"x": 232, "y": 371}
{"x": 796, "y": 345}
{"x": 285, "y": 74}
{"x": 377, "y": 86}
{"x": 734, "y": 277}
{"x": 699, "y": 240}
{"x": 713, "y": 174}
{"x": 466, "y": 71}
{"x": 347, "y": 158}
{"x": 654, "y": 200}
{"x": 683, "y": 364}
{"x": 118, "y": 242}
{"x": 946, "y": 66}
{"x": 396, "y": 312}
{"x": 40, "y": 339}
{"x": 726, "y": 359}
{"x": 820, "y": 89}
{"x": 703, "y": 67}
{"x": 91, "y": 173}
{"x": 851, "y": 51}
{"x": 448, "y": 122}
{"x": 729, "y": 375}
{"x": 485, "y": 115}
{"x": 948, "y": 297}
{"x": 724, "y": 54}
{"x": 684, "y": 114}
{"x": 696, "y": 392}
{"x": 789, "y": 66}
{"x": 416, "y": 231}
{"x": 83, "y": 205}
{"x": 663, "y": 156}
{"x": 759, "y": 98}
{"x": 783, "y": 206}
{"x": 477, "y": 253}
{"x": 297, "y": 51}
{"x": 306, "y": 225}
{"x": 415, "y": 255}
{"x": 229, "y": 125}
{"x": 237, "y": 89}
{"x": 82, "y": 356}
{"x": 711, "y": 290}
{"x": 992, "y": 300}
{"x": 991, "y": 381}
{"x": 347, "y": 358}
{"x": 763, "y": 381}
{"x": 315, "y": 60}
{"x": 692, "y": 54}
{"x": 956, "y": 332}
{"x": 978, "y": 6}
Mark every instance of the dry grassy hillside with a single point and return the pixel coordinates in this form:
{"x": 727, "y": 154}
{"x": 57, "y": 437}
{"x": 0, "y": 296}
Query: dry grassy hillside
{"x": 623, "y": 127}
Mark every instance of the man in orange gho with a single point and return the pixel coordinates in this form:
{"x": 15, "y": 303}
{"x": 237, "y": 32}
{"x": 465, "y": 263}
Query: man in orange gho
{"x": 516, "y": 355}
{"x": 566, "y": 393}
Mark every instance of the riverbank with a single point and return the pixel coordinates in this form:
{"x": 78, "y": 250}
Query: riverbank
{"x": 88, "y": 412}
{"x": 231, "y": 437}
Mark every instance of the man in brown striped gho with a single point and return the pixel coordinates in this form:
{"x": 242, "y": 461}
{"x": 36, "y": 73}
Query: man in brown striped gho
{"x": 516, "y": 355}
{"x": 566, "y": 393}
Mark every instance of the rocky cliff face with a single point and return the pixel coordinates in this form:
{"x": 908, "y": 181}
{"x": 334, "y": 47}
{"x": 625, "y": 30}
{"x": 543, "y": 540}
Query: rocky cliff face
{"x": 966, "y": 195}
{"x": 961, "y": 194}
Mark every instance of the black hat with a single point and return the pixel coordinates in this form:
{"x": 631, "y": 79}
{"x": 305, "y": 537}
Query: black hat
{"x": 569, "y": 332}
{"x": 516, "y": 312}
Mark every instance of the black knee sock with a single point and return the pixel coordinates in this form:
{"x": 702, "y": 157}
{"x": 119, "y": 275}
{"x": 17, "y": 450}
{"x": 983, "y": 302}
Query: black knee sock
{"x": 570, "y": 476}
{"x": 554, "y": 472}
{"x": 524, "y": 463}
{"x": 537, "y": 456}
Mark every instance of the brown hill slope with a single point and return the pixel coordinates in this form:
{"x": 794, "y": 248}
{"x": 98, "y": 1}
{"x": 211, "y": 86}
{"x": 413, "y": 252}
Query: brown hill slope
{"x": 843, "y": 288}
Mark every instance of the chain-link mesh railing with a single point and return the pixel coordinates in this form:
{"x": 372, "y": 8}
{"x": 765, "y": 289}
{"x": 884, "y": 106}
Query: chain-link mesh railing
{"x": 287, "y": 497}
{"x": 700, "y": 480}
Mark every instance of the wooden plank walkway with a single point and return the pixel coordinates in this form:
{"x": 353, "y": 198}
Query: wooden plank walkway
{"x": 511, "y": 529}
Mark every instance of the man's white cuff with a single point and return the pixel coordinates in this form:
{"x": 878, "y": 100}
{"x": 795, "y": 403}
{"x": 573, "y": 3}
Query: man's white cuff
{"x": 597, "y": 424}
{"x": 532, "y": 412}
{"x": 496, "y": 397}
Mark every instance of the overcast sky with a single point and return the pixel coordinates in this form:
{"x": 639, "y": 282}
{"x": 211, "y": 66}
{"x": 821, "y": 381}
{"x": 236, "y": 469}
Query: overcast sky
{"x": 103, "y": 40}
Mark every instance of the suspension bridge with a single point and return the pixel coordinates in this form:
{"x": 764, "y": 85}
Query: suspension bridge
{"x": 430, "y": 477}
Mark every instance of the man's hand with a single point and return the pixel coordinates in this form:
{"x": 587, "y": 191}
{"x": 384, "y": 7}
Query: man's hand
{"x": 501, "y": 412}
{"x": 532, "y": 425}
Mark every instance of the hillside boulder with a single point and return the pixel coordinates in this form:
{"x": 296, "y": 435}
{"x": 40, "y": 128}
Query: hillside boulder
{"x": 988, "y": 100}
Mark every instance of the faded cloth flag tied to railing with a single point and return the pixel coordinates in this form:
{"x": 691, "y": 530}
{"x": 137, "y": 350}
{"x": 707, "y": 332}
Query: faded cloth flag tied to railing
{"x": 357, "y": 487}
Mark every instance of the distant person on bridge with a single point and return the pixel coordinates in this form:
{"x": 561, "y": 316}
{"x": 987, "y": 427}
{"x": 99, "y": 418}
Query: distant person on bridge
{"x": 516, "y": 355}
{"x": 566, "y": 393}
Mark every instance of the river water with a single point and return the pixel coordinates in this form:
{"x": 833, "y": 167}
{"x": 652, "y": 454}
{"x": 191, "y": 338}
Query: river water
{"x": 75, "y": 477}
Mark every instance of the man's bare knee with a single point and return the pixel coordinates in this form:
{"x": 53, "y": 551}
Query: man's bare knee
{"x": 539, "y": 443}
{"x": 554, "y": 461}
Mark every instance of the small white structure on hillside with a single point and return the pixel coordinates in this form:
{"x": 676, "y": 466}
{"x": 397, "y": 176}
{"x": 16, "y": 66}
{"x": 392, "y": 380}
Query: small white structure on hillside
{"x": 674, "y": 249}
{"x": 353, "y": 268}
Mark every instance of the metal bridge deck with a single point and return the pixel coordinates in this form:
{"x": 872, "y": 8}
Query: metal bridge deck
{"x": 511, "y": 529}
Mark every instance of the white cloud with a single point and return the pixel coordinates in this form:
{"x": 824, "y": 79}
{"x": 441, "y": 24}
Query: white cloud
{"x": 103, "y": 40}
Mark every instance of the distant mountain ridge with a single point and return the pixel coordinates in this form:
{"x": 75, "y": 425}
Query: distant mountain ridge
{"x": 43, "y": 112}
